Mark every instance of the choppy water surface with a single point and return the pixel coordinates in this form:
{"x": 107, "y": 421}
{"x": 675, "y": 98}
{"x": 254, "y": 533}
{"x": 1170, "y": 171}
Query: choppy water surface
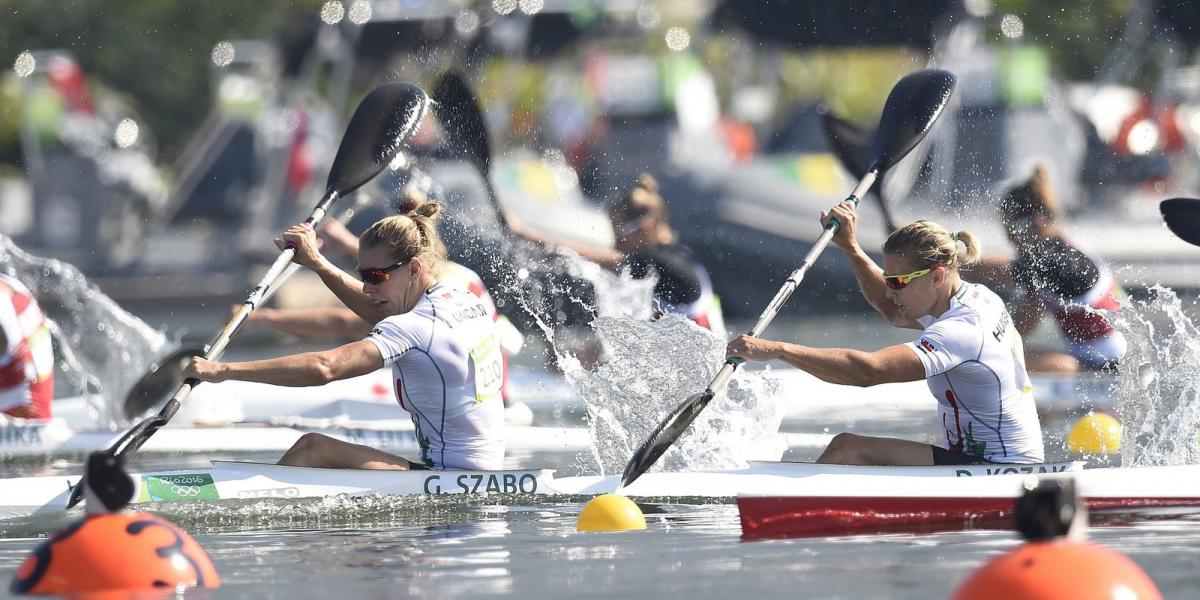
{"x": 482, "y": 549}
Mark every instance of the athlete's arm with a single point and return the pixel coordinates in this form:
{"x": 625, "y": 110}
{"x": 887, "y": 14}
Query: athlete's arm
{"x": 991, "y": 271}
{"x": 835, "y": 365}
{"x": 608, "y": 258}
{"x": 868, "y": 274}
{"x": 326, "y": 322}
{"x": 298, "y": 370}
{"x": 870, "y": 282}
{"x": 1026, "y": 313}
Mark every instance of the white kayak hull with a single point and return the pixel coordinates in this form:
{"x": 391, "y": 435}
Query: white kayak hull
{"x": 877, "y": 487}
{"x": 27, "y": 496}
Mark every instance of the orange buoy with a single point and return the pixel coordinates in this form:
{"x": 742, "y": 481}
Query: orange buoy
{"x": 1058, "y": 570}
{"x": 120, "y": 551}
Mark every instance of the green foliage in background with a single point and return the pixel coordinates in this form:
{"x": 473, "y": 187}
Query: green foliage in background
{"x": 156, "y": 51}
{"x": 1077, "y": 35}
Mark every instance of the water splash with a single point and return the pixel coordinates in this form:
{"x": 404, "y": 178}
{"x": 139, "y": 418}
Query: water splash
{"x": 633, "y": 371}
{"x": 1159, "y": 383}
{"x": 101, "y": 348}
{"x": 651, "y": 367}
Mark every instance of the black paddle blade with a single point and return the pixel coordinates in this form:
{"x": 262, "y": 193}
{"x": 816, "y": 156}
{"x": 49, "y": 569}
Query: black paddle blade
{"x": 1182, "y": 216}
{"x": 851, "y": 145}
{"x": 381, "y": 124}
{"x": 457, "y": 110}
{"x": 668, "y": 431}
{"x": 911, "y": 110}
{"x": 158, "y": 384}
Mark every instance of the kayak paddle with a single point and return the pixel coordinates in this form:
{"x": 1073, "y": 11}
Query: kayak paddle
{"x": 457, "y": 109}
{"x": 382, "y": 123}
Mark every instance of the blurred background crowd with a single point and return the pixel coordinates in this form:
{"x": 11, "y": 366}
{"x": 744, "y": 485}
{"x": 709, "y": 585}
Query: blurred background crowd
{"x": 159, "y": 146}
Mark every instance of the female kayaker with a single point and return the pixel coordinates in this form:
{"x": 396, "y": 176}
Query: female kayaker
{"x": 968, "y": 351}
{"x": 439, "y": 340}
{"x": 645, "y": 243}
{"x": 1056, "y": 278}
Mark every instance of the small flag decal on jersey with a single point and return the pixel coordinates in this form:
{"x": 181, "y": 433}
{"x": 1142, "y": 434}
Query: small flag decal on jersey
{"x": 926, "y": 346}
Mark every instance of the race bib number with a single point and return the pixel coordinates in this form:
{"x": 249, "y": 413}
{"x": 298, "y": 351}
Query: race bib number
{"x": 489, "y": 370}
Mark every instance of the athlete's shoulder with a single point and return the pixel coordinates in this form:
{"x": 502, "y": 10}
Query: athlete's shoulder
{"x": 399, "y": 323}
{"x": 975, "y": 300}
{"x": 455, "y": 273}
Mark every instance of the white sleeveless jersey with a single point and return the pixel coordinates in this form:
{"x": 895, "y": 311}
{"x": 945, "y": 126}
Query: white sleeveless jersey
{"x": 447, "y": 372}
{"x": 975, "y": 366}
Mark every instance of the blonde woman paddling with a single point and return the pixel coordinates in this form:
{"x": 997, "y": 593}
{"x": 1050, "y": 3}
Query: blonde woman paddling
{"x": 968, "y": 351}
{"x": 439, "y": 340}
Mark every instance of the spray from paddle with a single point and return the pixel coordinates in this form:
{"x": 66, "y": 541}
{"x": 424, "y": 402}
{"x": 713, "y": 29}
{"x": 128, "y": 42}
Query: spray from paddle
{"x": 1159, "y": 382}
{"x": 644, "y": 366}
{"x": 99, "y": 346}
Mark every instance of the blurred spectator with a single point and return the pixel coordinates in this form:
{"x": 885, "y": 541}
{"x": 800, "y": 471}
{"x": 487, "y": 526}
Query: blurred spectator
{"x": 1056, "y": 278}
{"x": 26, "y": 354}
{"x": 646, "y": 243}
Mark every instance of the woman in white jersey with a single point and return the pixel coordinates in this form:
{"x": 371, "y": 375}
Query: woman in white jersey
{"x": 439, "y": 340}
{"x": 968, "y": 351}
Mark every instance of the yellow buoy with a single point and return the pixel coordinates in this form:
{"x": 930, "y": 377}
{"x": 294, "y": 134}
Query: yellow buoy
{"x": 1096, "y": 434}
{"x": 610, "y": 512}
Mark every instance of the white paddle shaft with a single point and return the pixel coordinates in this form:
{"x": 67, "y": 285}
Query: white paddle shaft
{"x": 793, "y": 281}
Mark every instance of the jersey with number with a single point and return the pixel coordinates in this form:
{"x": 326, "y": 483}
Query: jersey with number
{"x": 975, "y": 365}
{"x": 445, "y": 361}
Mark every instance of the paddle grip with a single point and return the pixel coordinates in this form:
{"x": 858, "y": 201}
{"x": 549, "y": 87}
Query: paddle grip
{"x": 855, "y": 197}
{"x": 307, "y": 224}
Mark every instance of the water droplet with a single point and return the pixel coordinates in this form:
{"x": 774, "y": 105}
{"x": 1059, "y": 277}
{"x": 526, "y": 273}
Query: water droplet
{"x": 222, "y": 54}
{"x": 333, "y": 12}
{"x": 24, "y": 64}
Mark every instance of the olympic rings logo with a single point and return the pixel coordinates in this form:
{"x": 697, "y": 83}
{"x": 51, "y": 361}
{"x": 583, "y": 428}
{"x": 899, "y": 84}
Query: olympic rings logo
{"x": 185, "y": 490}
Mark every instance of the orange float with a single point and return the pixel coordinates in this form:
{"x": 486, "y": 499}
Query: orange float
{"x": 120, "y": 551}
{"x": 1057, "y": 570}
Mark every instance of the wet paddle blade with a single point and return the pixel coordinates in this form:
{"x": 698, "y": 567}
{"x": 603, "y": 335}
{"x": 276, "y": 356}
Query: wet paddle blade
{"x": 159, "y": 383}
{"x": 667, "y": 432}
{"x": 911, "y": 110}
{"x": 1182, "y": 216}
{"x": 381, "y": 124}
